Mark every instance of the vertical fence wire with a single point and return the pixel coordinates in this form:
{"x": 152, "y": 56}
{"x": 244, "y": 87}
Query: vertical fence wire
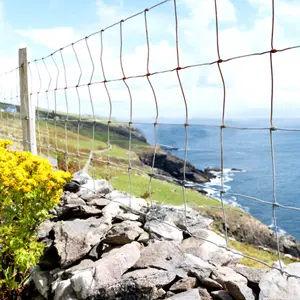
{"x": 272, "y": 128}
{"x": 93, "y": 111}
{"x": 57, "y": 156}
{"x": 130, "y": 112}
{"x": 38, "y": 109}
{"x": 223, "y": 120}
{"x": 186, "y": 124}
{"x": 79, "y": 108}
{"x": 151, "y": 176}
{"x": 66, "y": 150}
{"x": 48, "y": 111}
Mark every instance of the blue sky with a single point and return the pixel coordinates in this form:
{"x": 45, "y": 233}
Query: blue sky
{"x": 245, "y": 27}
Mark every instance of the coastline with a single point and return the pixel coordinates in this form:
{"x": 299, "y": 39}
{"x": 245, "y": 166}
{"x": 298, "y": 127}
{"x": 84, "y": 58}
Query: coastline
{"x": 241, "y": 225}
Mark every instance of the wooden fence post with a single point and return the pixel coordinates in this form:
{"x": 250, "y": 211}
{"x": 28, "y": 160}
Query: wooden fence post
{"x": 27, "y": 108}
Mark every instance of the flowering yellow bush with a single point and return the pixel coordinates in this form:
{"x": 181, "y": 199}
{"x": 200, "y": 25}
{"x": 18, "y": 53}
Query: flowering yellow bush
{"x": 29, "y": 188}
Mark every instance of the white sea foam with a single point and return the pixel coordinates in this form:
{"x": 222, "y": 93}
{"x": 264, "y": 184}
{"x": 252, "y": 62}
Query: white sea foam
{"x": 280, "y": 230}
{"x": 214, "y": 186}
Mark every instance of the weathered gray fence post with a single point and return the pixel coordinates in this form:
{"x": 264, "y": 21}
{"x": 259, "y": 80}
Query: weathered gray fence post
{"x": 27, "y": 109}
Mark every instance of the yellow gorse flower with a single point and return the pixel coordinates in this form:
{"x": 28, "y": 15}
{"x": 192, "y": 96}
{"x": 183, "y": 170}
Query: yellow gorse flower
{"x": 29, "y": 188}
{"x": 26, "y": 173}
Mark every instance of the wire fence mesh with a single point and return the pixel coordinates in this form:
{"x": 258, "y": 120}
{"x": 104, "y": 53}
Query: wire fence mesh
{"x": 73, "y": 95}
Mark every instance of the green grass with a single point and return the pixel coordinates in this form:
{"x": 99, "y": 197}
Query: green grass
{"x": 265, "y": 256}
{"x": 122, "y": 153}
{"x": 161, "y": 191}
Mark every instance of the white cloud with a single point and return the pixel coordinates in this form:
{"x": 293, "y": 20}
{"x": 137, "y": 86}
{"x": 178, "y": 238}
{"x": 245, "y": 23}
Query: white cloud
{"x": 247, "y": 79}
{"x": 53, "y": 38}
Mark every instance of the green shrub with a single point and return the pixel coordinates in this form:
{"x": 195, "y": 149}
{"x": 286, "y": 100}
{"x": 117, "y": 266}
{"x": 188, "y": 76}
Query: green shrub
{"x": 28, "y": 189}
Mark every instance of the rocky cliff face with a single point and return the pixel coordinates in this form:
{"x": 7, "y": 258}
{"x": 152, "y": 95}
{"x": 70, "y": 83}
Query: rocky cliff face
{"x": 104, "y": 244}
{"x": 173, "y": 166}
{"x": 245, "y": 228}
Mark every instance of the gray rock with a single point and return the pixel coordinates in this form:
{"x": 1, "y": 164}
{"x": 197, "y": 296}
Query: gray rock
{"x": 100, "y": 186}
{"x": 209, "y": 251}
{"x": 253, "y": 276}
{"x": 106, "y": 271}
{"x": 221, "y": 295}
{"x": 123, "y": 233}
{"x": 94, "y": 189}
{"x": 64, "y": 291}
{"x": 74, "y": 239}
{"x": 56, "y": 273}
{"x": 289, "y": 245}
{"x": 44, "y": 229}
{"x": 163, "y": 231}
{"x": 204, "y": 294}
{"x": 41, "y": 280}
{"x": 83, "y": 265}
{"x": 82, "y": 177}
{"x": 191, "y": 220}
{"x": 69, "y": 211}
{"x": 87, "y": 195}
{"x": 127, "y": 290}
{"x": 77, "y": 201}
{"x": 100, "y": 202}
{"x": 70, "y": 198}
{"x": 96, "y": 251}
{"x": 184, "y": 284}
{"x": 196, "y": 266}
{"x": 109, "y": 249}
{"x": 129, "y": 217}
{"x": 116, "y": 194}
{"x": 234, "y": 283}
{"x": 169, "y": 294}
{"x": 144, "y": 237}
{"x": 275, "y": 285}
{"x": 112, "y": 210}
{"x": 149, "y": 278}
{"x": 189, "y": 295}
{"x": 159, "y": 293}
{"x": 211, "y": 284}
{"x": 47, "y": 242}
{"x": 164, "y": 255}
{"x": 128, "y": 203}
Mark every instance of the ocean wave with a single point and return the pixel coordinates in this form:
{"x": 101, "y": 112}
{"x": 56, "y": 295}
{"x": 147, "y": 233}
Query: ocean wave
{"x": 214, "y": 186}
{"x": 279, "y": 230}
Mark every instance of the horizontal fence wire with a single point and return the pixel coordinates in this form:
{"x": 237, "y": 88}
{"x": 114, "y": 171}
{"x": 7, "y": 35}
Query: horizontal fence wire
{"x": 71, "y": 141}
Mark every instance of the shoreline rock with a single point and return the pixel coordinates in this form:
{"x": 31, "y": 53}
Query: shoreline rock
{"x": 173, "y": 166}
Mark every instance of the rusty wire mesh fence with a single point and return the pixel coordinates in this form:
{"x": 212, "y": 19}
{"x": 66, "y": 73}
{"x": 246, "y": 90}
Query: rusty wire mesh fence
{"x": 74, "y": 101}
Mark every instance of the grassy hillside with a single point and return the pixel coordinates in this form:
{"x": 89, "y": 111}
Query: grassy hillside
{"x": 61, "y": 137}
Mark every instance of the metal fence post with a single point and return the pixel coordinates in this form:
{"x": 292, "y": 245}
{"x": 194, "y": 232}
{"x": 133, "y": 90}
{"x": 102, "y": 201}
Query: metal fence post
{"x": 27, "y": 108}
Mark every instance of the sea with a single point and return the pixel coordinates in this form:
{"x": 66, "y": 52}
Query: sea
{"x": 247, "y": 149}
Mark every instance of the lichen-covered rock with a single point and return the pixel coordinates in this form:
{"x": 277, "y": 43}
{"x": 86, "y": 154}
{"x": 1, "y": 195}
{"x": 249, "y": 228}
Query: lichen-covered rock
{"x": 221, "y": 295}
{"x": 163, "y": 231}
{"x": 184, "y": 284}
{"x": 190, "y": 295}
{"x": 204, "y": 245}
{"x": 105, "y": 272}
{"x": 275, "y": 285}
{"x": 234, "y": 283}
{"x": 166, "y": 255}
{"x": 123, "y": 233}
{"x": 74, "y": 239}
